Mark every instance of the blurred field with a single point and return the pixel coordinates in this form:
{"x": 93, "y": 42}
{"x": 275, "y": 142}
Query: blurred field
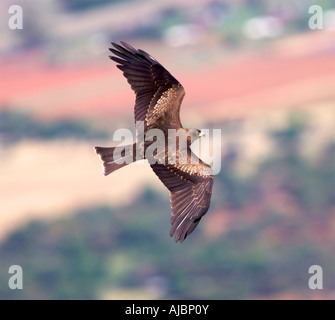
{"x": 253, "y": 85}
{"x": 51, "y": 178}
{"x": 242, "y": 84}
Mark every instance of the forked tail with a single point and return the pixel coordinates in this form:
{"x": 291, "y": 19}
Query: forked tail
{"x": 115, "y": 158}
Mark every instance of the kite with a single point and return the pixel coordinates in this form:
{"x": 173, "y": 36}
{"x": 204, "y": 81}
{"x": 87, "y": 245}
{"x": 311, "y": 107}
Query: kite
{"x": 158, "y": 99}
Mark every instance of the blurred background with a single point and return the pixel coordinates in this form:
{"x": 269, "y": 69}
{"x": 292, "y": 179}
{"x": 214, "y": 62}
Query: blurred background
{"x": 252, "y": 68}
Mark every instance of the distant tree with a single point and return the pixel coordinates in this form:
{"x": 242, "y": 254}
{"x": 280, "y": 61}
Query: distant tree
{"x": 78, "y": 5}
{"x": 15, "y": 126}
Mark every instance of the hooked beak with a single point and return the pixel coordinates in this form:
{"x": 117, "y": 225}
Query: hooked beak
{"x": 201, "y": 134}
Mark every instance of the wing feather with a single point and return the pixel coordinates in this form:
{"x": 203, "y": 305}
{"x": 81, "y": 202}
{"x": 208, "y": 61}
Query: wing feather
{"x": 149, "y": 80}
{"x": 190, "y": 197}
{"x": 158, "y": 99}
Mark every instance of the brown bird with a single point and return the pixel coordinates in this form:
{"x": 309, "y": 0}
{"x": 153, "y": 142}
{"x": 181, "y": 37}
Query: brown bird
{"x": 158, "y": 99}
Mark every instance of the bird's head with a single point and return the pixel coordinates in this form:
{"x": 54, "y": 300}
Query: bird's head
{"x": 195, "y": 134}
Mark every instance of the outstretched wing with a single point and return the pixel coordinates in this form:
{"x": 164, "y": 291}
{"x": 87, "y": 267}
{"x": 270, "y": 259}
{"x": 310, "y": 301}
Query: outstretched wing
{"x": 158, "y": 93}
{"x": 190, "y": 196}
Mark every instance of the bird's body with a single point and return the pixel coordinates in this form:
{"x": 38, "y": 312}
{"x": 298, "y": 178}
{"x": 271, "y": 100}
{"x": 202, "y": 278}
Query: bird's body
{"x": 158, "y": 99}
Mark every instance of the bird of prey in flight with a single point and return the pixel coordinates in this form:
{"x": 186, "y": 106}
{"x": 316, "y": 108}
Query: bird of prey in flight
{"x": 158, "y": 99}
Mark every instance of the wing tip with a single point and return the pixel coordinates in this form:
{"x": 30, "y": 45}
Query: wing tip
{"x": 128, "y": 46}
{"x": 124, "y": 46}
{"x": 178, "y": 236}
{"x": 114, "y": 44}
{"x": 137, "y": 53}
{"x": 181, "y": 234}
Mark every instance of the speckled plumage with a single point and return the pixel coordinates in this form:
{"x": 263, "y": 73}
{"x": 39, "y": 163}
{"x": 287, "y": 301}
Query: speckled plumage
{"x": 158, "y": 99}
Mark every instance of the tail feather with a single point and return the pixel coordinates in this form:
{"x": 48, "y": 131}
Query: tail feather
{"x": 109, "y": 162}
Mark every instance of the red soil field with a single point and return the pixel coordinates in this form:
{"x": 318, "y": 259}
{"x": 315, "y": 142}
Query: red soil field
{"x": 99, "y": 90}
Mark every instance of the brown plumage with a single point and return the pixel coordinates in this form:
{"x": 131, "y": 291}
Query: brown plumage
{"x": 158, "y": 99}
